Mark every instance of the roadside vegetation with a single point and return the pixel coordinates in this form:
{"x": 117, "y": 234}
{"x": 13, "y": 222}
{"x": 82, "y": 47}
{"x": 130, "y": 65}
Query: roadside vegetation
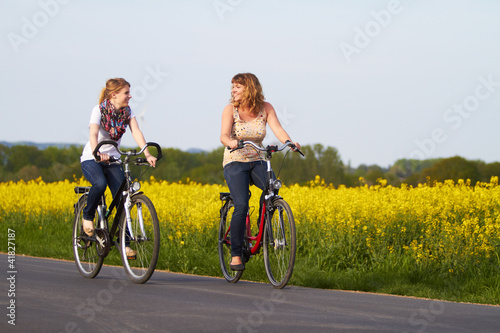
{"x": 439, "y": 240}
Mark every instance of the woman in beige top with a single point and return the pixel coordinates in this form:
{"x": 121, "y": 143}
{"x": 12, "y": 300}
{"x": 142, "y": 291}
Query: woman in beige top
{"x": 245, "y": 118}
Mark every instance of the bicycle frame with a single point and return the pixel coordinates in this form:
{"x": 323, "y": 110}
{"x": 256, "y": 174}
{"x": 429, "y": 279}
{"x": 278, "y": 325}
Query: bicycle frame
{"x": 255, "y": 242}
{"x": 118, "y": 202}
{"x": 125, "y": 192}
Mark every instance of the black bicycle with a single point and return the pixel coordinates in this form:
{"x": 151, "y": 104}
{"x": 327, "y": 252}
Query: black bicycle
{"x": 276, "y": 229}
{"x": 135, "y": 225}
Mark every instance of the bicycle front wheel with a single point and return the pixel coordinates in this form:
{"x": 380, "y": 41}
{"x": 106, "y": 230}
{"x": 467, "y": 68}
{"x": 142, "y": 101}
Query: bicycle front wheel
{"x": 224, "y": 245}
{"x": 143, "y": 239}
{"x": 87, "y": 259}
{"x": 279, "y": 244}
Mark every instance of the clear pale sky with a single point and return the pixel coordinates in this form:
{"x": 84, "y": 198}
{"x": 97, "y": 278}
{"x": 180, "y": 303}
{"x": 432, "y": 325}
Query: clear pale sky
{"x": 378, "y": 80}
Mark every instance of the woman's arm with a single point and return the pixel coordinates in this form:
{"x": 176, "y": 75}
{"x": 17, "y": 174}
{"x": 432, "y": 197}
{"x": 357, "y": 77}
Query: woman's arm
{"x": 275, "y": 125}
{"x": 227, "y": 127}
{"x": 141, "y": 142}
{"x": 94, "y": 132}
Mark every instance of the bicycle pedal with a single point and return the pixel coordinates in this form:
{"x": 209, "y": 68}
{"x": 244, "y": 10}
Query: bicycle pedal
{"x": 131, "y": 254}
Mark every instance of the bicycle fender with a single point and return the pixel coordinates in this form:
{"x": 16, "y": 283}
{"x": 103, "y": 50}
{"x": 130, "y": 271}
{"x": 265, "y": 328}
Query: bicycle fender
{"x": 276, "y": 197}
{"x": 136, "y": 193}
{"x": 226, "y": 203}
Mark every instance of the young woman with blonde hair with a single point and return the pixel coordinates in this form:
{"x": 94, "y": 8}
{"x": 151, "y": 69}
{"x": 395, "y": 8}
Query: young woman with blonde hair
{"x": 245, "y": 118}
{"x": 108, "y": 121}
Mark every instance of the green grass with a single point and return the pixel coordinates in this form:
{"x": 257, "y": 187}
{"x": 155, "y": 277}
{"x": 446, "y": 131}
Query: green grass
{"x": 316, "y": 266}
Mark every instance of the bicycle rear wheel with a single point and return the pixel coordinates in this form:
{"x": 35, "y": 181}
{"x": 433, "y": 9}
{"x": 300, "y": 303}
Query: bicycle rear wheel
{"x": 146, "y": 242}
{"x": 224, "y": 245}
{"x": 279, "y": 244}
{"x": 87, "y": 259}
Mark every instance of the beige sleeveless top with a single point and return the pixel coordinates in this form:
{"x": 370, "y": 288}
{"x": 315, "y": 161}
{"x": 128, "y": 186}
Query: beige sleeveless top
{"x": 253, "y": 130}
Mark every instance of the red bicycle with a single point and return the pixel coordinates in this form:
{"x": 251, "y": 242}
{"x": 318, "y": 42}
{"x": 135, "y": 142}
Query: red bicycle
{"x": 276, "y": 229}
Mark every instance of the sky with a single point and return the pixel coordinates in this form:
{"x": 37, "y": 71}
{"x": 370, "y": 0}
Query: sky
{"x": 377, "y": 80}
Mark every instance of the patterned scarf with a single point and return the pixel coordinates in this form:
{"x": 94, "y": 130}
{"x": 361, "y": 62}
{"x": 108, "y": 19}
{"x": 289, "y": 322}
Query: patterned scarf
{"x": 114, "y": 122}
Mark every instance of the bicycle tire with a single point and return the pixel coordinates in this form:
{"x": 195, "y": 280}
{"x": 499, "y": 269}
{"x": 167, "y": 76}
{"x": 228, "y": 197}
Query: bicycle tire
{"x": 147, "y": 246}
{"x": 224, "y": 244}
{"x": 279, "y": 244}
{"x": 87, "y": 259}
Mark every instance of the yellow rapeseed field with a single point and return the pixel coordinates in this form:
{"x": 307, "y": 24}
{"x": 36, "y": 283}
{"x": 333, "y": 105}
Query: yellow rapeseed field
{"x": 448, "y": 225}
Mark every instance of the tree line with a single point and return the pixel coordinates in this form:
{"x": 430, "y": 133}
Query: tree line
{"x": 27, "y": 162}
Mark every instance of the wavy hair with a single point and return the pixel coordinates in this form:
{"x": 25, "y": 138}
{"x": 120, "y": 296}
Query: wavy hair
{"x": 253, "y": 97}
{"x": 112, "y": 86}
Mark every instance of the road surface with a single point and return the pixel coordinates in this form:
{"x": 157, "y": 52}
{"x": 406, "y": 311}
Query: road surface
{"x": 51, "y": 296}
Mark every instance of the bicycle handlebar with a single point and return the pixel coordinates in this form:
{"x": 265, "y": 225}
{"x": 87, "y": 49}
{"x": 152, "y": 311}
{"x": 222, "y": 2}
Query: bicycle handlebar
{"x": 269, "y": 149}
{"x": 128, "y": 153}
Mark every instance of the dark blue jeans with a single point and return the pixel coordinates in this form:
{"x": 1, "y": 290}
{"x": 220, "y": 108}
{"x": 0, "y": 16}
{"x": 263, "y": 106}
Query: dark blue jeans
{"x": 100, "y": 175}
{"x": 239, "y": 176}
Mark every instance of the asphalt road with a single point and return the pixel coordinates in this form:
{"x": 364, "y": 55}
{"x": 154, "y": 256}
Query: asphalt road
{"x": 51, "y": 296}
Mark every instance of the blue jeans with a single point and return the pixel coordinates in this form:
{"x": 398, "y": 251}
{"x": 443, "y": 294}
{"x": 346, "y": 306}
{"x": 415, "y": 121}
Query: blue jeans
{"x": 100, "y": 175}
{"x": 239, "y": 176}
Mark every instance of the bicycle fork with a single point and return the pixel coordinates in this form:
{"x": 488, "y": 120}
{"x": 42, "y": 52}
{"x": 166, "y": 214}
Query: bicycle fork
{"x": 128, "y": 205}
{"x": 280, "y": 242}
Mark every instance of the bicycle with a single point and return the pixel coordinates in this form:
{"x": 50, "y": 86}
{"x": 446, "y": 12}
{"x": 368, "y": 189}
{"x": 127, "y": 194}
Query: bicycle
{"x": 276, "y": 228}
{"x": 135, "y": 221}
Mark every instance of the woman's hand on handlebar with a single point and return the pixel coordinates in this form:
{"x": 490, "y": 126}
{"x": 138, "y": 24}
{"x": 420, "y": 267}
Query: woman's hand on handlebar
{"x": 151, "y": 160}
{"x": 233, "y": 144}
{"x": 297, "y": 146}
{"x": 103, "y": 157}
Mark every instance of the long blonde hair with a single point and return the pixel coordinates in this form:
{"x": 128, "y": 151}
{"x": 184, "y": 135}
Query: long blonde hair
{"x": 253, "y": 97}
{"x": 112, "y": 86}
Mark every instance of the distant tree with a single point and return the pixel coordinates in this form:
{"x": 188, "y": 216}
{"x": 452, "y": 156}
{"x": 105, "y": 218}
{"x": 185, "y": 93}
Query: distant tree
{"x": 317, "y": 161}
{"x": 4, "y": 154}
{"x": 373, "y": 173}
{"x": 489, "y": 170}
{"x": 404, "y": 168}
{"x": 173, "y": 165}
{"x": 20, "y": 156}
{"x": 28, "y": 172}
{"x": 331, "y": 167}
{"x": 453, "y": 168}
{"x": 55, "y": 164}
{"x": 209, "y": 169}
{"x": 408, "y": 171}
